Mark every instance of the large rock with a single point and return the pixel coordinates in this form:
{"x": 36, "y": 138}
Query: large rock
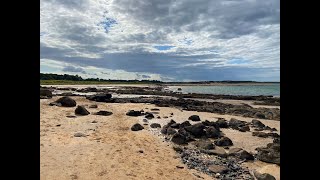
{"x": 244, "y": 128}
{"x": 194, "y": 118}
{"x": 155, "y": 125}
{"x": 269, "y": 154}
{"x": 265, "y": 135}
{"x": 185, "y": 124}
{"x": 223, "y": 141}
{"x": 171, "y": 131}
{"x": 197, "y": 129}
{"x": 137, "y": 127}
{"x": 209, "y": 123}
{"x": 212, "y": 132}
{"x": 178, "y": 138}
{"x": 81, "y": 110}
{"x": 222, "y": 123}
{"x": 264, "y": 176}
{"x": 259, "y": 115}
{"x": 257, "y": 123}
{"x": 175, "y": 125}
{"x": 100, "y": 97}
{"x": 133, "y": 113}
{"x": 149, "y": 115}
{"x": 204, "y": 144}
{"x": 236, "y": 124}
{"x": 45, "y": 93}
{"x": 66, "y": 102}
{"x": 103, "y": 113}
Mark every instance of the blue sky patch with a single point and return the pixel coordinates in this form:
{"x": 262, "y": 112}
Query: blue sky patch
{"x": 163, "y": 48}
{"x": 107, "y": 24}
{"x": 238, "y": 61}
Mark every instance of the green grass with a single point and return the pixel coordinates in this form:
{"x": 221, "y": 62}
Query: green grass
{"x": 67, "y": 82}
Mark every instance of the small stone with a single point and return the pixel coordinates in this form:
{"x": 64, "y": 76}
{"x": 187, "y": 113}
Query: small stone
{"x": 140, "y": 151}
{"x": 171, "y": 114}
{"x": 137, "y": 127}
{"x": 180, "y": 167}
{"x": 103, "y": 113}
{"x": 149, "y": 116}
{"x": 79, "y": 135}
{"x": 94, "y": 121}
{"x": 194, "y": 118}
{"x": 165, "y": 117}
{"x": 145, "y": 120}
{"x": 58, "y": 125}
{"x": 154, "y": 109}
{"x": 155, "y": 125}
{"x": 81, "y": 110}
{"x": 264, "y": 176}
{"x": 71, "y": 116}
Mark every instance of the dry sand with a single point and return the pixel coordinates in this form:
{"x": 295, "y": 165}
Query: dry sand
{"x": 110, "y": 151}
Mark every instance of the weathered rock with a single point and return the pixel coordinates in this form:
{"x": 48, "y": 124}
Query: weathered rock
{"x": 236, "y": 124}
{"x": 179, "y": 139}
{"x": 100, "y": 97}
{"x": 257, "y": 123}
{"x": 222, "y": 123}
{"x": 137, "y": 127}
{"x": 218, "y": 169}
{"x": 223, "y": 141}
{"x": 197, "y": 129}
{"x": 149, "y": 116}
{"x": 212, "y": 132}
{"x": 45, "y": 93}
{"x": 155, "y": 109}
{"x": 93, "y": 106}
{"x": 103, "y": 113}
{"x": 244, "y": 155}
{"x": 133, "y": 113}
{"x": 177, "y": 148}
{"x": 66, "y": 102}
{"x": 204, "y": 144}
{"x": 81, "y": 110}
{"x": 259, "y": 115}
{"x": 171, "y": 131}
{"x": 194, "y": 118}
{"x": 264, "y": 176}
{"x": 184, "y": 124}
{"x": 244, "y": 128}
{"x": 175, "y": 125}
{"x": 234, "y": 151}
{"x": 265, "y": 135}
{"x": 209, "y": 123}
{"x": 155, "y": 125}
{"x": 269, "y": 154}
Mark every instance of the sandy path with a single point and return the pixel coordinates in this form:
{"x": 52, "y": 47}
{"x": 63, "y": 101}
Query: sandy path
{"x": 111, "y": 149}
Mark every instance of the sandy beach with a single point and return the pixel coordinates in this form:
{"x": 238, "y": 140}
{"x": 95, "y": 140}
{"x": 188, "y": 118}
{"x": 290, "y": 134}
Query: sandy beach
{"x": 111, "y": 150}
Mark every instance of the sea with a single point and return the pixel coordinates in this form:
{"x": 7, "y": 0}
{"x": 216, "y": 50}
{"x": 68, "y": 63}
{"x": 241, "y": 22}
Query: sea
{"x": 246, "y": 90}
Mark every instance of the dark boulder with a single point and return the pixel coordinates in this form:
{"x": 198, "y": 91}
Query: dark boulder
{"x": 133, "y": 113}
{"x": 185, "y": 124}
{"x": 171, "y": 131}
{"x": 264, "y": 176}
{"x": 179, "y": 138}
{"x": 149, "y": 115}
{"x": 223, "y": 141}
{"x": 194, "y": 118}
{"x": 269, "y": 154}
{"x": 66, "y": 102}
{"x": 222, "y": 123}
{"x": 197, "y": 129}
{"x": 100, "y": 97}
{"x": 204, "y": 144}
{"x": 212, "y": 132}
{"x": 103, "y": 113}
{"x": 81, "y": 110}
{"x": 244, "y": 128}
{"x": 164, "y": 129}
{"x": 260, "y": 134}
{"x": 259, "y": 115}
{"x": 137, "y": 127}
{"x": 155, "y": 125}
{"x": 175, "y": 125}
{"x": 257, "y": 123}
{"x": 45, "y": 93}
{"x": 209, "y": 123}
{"x": 235, "y": 123}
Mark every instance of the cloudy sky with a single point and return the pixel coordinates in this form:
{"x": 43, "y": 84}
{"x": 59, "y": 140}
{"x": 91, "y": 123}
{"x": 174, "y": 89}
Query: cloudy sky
{"x": 167, "y": 40}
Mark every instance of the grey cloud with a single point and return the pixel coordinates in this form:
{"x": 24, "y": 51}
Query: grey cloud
{"x": 73, "y": 69}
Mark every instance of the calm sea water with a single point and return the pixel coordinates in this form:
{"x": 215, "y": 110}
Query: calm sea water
{"x": 251, "y": 90}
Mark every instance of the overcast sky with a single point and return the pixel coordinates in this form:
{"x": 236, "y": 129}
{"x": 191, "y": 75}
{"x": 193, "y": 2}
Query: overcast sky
{"x": 167, "y": 40}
